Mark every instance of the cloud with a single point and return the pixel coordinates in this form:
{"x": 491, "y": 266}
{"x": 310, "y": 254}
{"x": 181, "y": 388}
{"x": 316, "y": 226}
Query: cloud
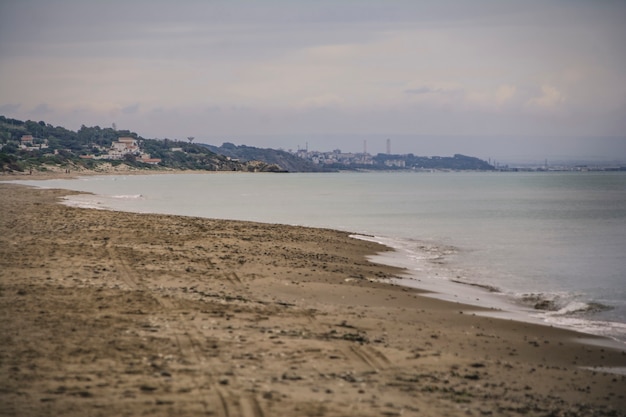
{"x": 492, "y": 98}
{"x": 418, "y": 67}
{"x": 430, "y": 90}
{"x": 437, "y": 95}
{"x": 41, "y": 110}
{"x": 9, "y": 108}
{"x": 505, "y": 93}
{"x": 466, "y": 97}
{"x": 132, "y": 109}
{"x": 322, "y": 101}
{"x": 550, "y": 98}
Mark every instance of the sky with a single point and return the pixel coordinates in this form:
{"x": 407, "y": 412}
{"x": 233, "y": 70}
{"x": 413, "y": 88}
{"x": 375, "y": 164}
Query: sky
{"x": 490, "y": 78}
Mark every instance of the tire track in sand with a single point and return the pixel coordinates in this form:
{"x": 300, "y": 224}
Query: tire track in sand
{"x": 218, "y": 399}
{"x": 370, "y": 356}
{"x": 223, "y": 399}
{"x": 359, "y": 351}
{"x": 233, "y": 405}
{"x": 185, "y": 342}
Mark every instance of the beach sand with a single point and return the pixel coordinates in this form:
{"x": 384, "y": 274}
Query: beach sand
{"x": 120, "y": 314}
{"x": 48, "y": 172}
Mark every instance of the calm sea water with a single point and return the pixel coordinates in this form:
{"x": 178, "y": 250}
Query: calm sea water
{"x": 550, "y": 240}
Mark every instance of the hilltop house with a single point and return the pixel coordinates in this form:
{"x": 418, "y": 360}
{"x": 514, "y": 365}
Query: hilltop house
{"x": 127, "y": 146}
{"x": 122, "y": 147}
{"x": 27, "y": 142}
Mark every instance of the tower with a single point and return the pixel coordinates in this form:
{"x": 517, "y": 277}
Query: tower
{"x": 388, "y": 146}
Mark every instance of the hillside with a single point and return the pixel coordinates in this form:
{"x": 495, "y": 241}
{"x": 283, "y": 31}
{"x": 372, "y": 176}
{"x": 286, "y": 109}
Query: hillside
{"x": 39, "y": 146}
{"x": 285, "y": 160}
{"x": 29, "y": 145}
{"x": 457, "y": 162}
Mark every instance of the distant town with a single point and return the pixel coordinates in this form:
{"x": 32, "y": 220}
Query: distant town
{"x": 338, "y": 159}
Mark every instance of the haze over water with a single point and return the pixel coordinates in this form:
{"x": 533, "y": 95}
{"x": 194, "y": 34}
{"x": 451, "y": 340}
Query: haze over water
{"x": 556, "y": 238}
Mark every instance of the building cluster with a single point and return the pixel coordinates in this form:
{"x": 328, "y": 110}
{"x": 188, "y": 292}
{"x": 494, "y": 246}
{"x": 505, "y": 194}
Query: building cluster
{"x": 30, "y": 143}
{"x": 120, "y": 149}
{"x": 335, "y": 157}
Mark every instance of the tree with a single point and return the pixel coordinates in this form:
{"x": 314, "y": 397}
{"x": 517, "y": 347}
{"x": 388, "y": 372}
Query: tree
{"x": 9, "y": 148}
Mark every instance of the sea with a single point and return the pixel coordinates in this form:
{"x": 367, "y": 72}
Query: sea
{"x": 546, "y": 247}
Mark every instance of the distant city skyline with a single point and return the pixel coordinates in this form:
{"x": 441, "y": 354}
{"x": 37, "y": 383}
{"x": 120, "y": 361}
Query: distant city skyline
{"x": 506, "y": 80}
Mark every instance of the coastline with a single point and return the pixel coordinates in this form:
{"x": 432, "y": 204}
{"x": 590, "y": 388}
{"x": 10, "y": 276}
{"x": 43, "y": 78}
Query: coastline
{"x": 56, "y": 172}
{"x": 492, "y": 301}
{"x": 500, "y": 303}
{"x": 572, "y": 310}
{"x": 131, "y": 313}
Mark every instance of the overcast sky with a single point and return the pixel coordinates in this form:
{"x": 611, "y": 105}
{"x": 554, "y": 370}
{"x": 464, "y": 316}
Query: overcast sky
{"x": 480, "y": 77}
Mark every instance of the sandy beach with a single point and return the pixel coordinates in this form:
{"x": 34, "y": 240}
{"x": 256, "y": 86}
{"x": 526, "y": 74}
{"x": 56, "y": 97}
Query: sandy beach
{"x": 121, "y": 314}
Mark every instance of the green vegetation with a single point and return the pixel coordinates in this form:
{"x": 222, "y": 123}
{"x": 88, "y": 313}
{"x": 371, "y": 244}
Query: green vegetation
{"x": 456, "y": 162}
{"x": 57, "y": 147}
{"x": 284, "y": 161}
{"x": 51, "y": 148}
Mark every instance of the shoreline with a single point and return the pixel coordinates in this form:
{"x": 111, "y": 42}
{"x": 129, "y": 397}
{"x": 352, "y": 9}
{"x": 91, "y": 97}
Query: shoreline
{"x": 496, "y": 302}
{"x": 58, "y": 173}
{"x": 144, "y": 313}
{"x": 505, "y": 305}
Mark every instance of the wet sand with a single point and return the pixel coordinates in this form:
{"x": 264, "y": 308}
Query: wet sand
{"x": 106, "y": 313}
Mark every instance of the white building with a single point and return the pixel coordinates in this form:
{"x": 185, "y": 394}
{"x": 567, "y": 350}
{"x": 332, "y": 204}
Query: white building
{"x": 123, "y": 146}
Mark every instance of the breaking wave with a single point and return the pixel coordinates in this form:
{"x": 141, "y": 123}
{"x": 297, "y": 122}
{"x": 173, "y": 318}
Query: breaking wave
{"x": 86, "y": 201}
{"x": 562, "y": 304}
{"x": 128, "y": 196}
